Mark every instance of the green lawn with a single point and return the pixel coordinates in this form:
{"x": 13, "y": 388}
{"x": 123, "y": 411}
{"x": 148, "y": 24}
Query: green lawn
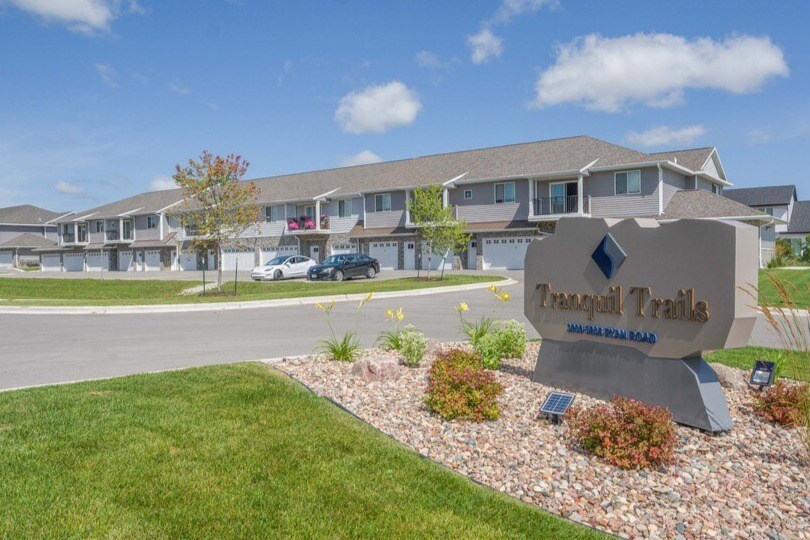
{"x": 743, "y": 358}
{"x": 797, "y": 281}
{"x": 226, "y": 452}
{"x": 78, "y": 292}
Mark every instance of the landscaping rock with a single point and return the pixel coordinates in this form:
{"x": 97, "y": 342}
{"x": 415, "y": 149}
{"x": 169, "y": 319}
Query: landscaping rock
{"x": 434, "y": 347}
{"x": 730, "y": 377}
{"x": 376, "y": 369}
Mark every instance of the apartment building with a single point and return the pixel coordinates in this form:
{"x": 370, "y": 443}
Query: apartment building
{"x": 23, "y": 229}
{"x": 507, "y": 195}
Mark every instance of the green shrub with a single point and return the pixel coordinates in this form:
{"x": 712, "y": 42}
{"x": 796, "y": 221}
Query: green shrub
{"x": 505, "y": 340}
{"x": 625, "y": 433}
{"x": 412, "y": 345}
{"x": 460, "y": 388}
{"x": 345, "y": 349}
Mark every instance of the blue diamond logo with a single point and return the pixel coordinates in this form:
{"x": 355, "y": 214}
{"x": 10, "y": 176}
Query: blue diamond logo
{"x": 608, "y": 256}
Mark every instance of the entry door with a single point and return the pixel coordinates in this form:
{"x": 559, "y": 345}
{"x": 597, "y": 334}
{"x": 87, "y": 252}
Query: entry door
{"x": 315, "y": 253}
{"x": 139, "y": 265}
{"x": 564, "y": 197}
{"x": 472, "y": 255}
{"x": 410, "y": 256}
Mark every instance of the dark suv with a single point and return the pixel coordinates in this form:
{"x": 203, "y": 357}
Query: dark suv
{"x": 340, "y": 267}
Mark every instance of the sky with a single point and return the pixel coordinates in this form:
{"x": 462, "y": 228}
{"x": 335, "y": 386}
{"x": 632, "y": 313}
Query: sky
{"x": 99, "y": 99}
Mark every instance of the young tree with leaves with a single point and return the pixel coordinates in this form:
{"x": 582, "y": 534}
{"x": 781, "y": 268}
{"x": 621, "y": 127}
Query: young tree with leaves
{"x": 217, "y": 204}
{"x": 438, "y": 227}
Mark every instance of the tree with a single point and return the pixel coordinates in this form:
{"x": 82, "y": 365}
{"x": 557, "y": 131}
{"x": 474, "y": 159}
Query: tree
{"x": 217, "y": 205}
{"x": 438, "y": 227}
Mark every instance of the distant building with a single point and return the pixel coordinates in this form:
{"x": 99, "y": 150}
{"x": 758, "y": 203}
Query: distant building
{"x": 23, "y": 229}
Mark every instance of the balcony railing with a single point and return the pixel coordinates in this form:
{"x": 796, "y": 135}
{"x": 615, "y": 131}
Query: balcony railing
{"x": 547, "y": 206}
{"x": 68, "y": 238}
{"x": 127, "y": 234}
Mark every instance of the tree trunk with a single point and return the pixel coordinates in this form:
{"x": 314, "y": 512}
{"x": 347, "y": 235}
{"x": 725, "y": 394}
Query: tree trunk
{"x": 430, "y": 259}
{"x": 219, "y": 269}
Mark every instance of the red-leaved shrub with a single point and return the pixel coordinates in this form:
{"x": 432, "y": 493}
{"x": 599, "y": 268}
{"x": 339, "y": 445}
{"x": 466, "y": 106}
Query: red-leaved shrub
{"x": 625, "y": 433}
{"x": 460, "y": 388}
{"x": 781, "y": 403}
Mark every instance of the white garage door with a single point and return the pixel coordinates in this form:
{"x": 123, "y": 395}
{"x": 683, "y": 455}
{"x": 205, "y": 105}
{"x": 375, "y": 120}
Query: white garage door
{"x": 50, "y": 262}
{"x": 231, "y": 256}
{"x": 152, "y": 258}
{"x": 343, "y": 249}
{"x": 505, "y": 253}
{"x": 96, "y": 261}
{"x": 125, "y": 260}
{"x": 188, "y": 261}
{"x": 386, "y": 253}
{"x": 271, "y": 253}
{"x": 74, "y": 262}
{"x": 6, "y": 259}
{"x": 436, "y": 261}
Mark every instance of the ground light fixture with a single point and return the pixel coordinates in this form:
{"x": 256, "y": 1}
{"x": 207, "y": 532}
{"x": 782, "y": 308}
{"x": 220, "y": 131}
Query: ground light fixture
{"x": 763, "y": 373}
{"x": 556, "y": 404}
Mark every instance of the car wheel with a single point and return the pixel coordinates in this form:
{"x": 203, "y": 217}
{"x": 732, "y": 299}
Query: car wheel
{"x": 371, "y": 273}
{"x": 278, "y": 275}
{"x": 339, "y": 275}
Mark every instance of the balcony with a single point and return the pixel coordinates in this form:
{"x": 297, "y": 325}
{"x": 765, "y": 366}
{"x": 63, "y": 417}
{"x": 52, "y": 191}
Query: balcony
{"x": 68, "y": 238}
{"x": 114, "y": 236}
{"x": 556, "y": 206}
{"x": 308, "y": 225}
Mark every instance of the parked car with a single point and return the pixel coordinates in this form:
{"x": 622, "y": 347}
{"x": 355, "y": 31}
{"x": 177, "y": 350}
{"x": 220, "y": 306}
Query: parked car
{"x": 287, "y": 266}
{"x": 340, "y": 267}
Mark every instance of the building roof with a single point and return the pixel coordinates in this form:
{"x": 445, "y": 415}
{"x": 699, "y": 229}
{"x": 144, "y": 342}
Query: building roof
{"x": 701, "y": 203}
{"x": 358, "y": 231}
{"x": 169, "y": 241}
{"x": 492, "y": 226}
{"x": 515, "y": 160}
{"x": 800, "y": 218}
{"x": 137, "y": 205}
{"x": 762, "y": 196}
{"x": 28, "y": 240}
{"x": 693, "y": 158}
{"x": 27, "y": 214}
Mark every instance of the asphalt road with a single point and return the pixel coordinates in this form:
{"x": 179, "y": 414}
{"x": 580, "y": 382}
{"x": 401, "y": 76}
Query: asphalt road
{"x": 45, "y": 349}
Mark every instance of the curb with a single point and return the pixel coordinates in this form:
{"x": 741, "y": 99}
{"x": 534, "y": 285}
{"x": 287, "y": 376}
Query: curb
{"x": 228, "y": 306}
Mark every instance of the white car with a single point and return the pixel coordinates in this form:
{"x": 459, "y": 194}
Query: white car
{"x": 287, "y": 266}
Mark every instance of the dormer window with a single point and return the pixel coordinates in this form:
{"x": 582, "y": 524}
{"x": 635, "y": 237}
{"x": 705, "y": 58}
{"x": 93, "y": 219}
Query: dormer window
{"x": 151, "y": 222}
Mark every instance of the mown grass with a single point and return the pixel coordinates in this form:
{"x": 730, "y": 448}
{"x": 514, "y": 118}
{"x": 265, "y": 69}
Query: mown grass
{"x": 236, "y": 451}
{"x": 78, "y": 292}
{"x": 744, "y": 357}
{"x": 798, "y": 281}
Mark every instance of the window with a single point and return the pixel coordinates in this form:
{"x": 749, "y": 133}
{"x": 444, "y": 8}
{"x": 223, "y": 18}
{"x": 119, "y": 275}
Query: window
{"x": 344, "y": 208}
{"x": 628, "y": 183}
{"x": 151, "y": 222}
{"x": 382, "y": 202}
{"x": 99, "y": 226}
{"x": 505, "y": 192}
{"x": 65, "y": 229}
{"x": 714, "y": 188}
{"x": 271, "y": 213}
{"x": 309, "y": 211}
{"x": 468, "y": 194}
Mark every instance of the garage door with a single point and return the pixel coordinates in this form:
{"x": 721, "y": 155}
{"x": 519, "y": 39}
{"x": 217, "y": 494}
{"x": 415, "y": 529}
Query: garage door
{"x": 505, "y": 253}
{"x": 125, "y": 260}
{"x": 386, "y": 253}
{"x": 188, "y": 261}
{"x": 152, "y": 259}
{"x": 74, "y": 262}
{"x": 271, "y": 253}
{"x": 230, "y": 257}
{"x": 6, "y": 259}
{"x": 436, "y": 261}
{"x": 50, "y": 262}
{"x": 96, "y": 261}
{"x": 343, "y": 249}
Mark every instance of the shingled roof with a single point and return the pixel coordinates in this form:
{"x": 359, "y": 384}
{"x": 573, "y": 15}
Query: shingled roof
{"x": 137, "y": 205}
{"x": 693, "y": 158}
{"x": 762, "y": 196}
{"x": 800, "y": 218}
{"x": 27, "y": 214}
{"x": 700, "y": 203}
{"x": 28, "y": 240}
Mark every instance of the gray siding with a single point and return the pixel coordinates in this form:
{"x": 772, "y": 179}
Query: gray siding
{"x": 605, "y": 203}
{"x": 704, "y": 184}
{"x": 7, "y": 232}
{"x": 142, "y": 233}
{"x": 344, "y": 224}
{"x": 482, "y": 207}
{"x": 92, "y": 235}
{"x": 711, "y": 168}
{"x": 394, "y": 218}
{"x": 672, "y": 182}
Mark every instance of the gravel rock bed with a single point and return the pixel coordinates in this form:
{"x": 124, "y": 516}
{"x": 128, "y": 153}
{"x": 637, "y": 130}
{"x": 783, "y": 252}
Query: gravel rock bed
{"x": 748, "y": 483}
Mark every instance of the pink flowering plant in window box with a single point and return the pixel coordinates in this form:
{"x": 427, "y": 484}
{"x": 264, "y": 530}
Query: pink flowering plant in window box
{"x": 309, "y": 224}
{"x": 292, "y": 225}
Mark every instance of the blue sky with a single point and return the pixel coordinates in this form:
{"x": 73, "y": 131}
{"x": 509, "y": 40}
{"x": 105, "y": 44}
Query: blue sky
{"x": 100, "y": 98}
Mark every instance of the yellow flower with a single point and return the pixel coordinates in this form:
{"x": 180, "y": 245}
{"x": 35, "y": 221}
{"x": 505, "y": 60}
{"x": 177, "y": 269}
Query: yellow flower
{"x": 389, "y": 314}
{"x": 506, "y": 296}
{"x": 320, "y": 306}
{"x": 400, "y": 315}
{"x": 461, "y": 307}
{"x": 493, "y": 288}
{"x": 364, "y": 300}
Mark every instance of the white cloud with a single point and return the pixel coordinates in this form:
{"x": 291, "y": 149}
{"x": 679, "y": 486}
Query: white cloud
{"x": 285, "y": 68}
{"x": 66, "y": 188}
{"x": 666, "y": 135}
{"x": 758, "y": 136}
{"x": 484, "y": 46}
{"x": 607, "y": 74}
{"x": 428, "y": 59}
{"x": 509, "y": 9}
{"x": 83, "y": 16}
{"x": 178, "y": 88}
{"x": 161, "y": 183}
{"x": 107, "y": 74}
{"x": 361, "y": 158}
{"x": 377, "y": 109}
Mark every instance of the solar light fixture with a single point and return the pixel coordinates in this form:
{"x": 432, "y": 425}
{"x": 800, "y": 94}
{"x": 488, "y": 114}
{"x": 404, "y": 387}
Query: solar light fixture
{"x": 763, "y": 373}
{"x": 555, "y": 405}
